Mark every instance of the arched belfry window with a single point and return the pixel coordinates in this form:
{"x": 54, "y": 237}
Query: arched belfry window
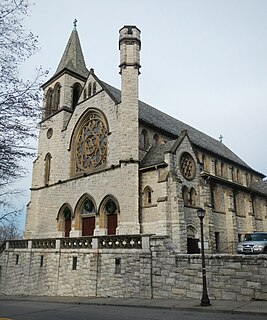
{"x": 89, "y": 143}
{"x": 144, "y": 140}
{"x": 76, "y": 92}
{"x": 48, "y": 104}
{"x": 56, "y": 97}
{"x": 47, "y": 168}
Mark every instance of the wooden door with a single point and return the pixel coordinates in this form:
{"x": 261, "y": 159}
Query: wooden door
{"x": 112, "y": 223}
{"x": 67, "y": 227}
{"x": 88, "y": 226}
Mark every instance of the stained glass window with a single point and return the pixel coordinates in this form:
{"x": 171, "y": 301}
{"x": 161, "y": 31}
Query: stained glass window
{"x": 91, "y": 144}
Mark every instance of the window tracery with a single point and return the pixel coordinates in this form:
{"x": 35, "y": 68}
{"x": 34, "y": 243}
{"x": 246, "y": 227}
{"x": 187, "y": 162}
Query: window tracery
{"x": 187, "y": 166}
{"x": 90, "y": 146}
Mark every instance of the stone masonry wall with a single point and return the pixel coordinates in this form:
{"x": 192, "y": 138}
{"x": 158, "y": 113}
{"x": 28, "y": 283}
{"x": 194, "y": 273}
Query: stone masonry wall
{"x": 155, "y": 271}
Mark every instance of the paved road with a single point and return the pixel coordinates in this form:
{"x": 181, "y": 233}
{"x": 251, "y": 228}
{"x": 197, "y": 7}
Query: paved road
{"x": 32, "y": 310}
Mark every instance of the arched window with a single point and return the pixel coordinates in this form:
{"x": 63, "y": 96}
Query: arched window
{"x": 155, "y": 140}
{"x": 76, "y": 92}
{"x": 193, "y": 195}
{"x": 216, "y": 167}
{"x": 48, "y": 104}
{"x": 144, "y": 141}
{"x": 90, "y": 142}
{"x": 89, "y": 89}
{"x": 185, "y": 195}
{"x": 84, "y": 94}
{"x": 56, "y": 97}
{"x": 47, "y": 168}
{"x": 204, "y": 162}
{"x": 147, "y": 196}
{"x": 222, "y": 169}
{"x": 94, "y": 87}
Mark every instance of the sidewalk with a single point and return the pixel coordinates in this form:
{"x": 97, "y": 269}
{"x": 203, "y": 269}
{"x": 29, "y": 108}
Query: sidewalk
{"x": 227, "y": 306}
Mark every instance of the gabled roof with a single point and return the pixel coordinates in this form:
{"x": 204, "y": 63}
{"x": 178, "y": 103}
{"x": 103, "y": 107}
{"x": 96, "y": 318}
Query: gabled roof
{"x": 155, "y": 155}
{"x": 72, "y": 58}
{"x": 162, "y": 121}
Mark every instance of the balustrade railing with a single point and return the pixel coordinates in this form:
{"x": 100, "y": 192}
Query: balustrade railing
{"x": 99, "y": 242}
{"x": 76, "y": 243}
{"x": 17, "y": 244}
{"x": 44, "y": 243}
{"x": 125, "y": 242}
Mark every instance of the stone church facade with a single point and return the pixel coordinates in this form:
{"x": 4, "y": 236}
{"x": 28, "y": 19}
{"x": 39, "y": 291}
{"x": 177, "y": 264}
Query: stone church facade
{"x": 110, "y": 164}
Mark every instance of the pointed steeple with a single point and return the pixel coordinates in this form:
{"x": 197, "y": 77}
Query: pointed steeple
{"x": 72, "y": 58}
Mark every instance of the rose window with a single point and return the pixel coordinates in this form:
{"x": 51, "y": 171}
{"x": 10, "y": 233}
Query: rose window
{"x": 187, "y": 166}
{"x": 91, "y": 144}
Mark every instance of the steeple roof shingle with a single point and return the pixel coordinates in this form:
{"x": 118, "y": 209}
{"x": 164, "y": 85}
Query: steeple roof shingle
{"x": 72, "y": 58}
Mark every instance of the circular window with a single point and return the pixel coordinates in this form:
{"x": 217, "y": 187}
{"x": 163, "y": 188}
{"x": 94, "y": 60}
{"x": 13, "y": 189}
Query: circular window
{"x": 187, "y": 166}
{"x": 49, "y": 133}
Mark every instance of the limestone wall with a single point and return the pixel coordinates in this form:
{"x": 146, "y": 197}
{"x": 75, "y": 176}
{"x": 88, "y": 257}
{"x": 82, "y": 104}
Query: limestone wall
{"x": 154, "y": 270}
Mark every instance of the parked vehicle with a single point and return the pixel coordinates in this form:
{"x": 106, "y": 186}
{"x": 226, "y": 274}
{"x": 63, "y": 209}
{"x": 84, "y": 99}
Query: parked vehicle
{"x": 255, "y": 242}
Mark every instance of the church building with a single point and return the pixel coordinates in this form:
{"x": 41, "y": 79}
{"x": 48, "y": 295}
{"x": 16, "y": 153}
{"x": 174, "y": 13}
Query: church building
{"x": 110, "y": 164}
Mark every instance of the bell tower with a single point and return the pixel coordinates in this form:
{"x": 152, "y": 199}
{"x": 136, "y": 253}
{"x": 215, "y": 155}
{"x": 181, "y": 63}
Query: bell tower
{"x": 63, "y": 89}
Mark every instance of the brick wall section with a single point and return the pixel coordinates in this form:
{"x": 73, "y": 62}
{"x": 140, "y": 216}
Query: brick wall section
{"x": 158, "y": 272}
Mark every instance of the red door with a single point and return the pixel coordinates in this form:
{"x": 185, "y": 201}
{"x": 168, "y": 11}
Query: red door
{"x": 112, "y": 223}
{"x": 67, "y": 227}
{"x": 88, "y": 226}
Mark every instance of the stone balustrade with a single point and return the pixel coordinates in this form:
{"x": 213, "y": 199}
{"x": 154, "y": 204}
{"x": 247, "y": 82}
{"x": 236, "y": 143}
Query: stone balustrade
{"x": 100, "y": 242}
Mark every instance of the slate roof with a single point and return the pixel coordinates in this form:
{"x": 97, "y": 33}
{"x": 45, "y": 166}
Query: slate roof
{"x": 165, "y": 122}
{"x": 260, "y": 186}
{"x": 72, "y": 58}
{"x": 155, "y": 156}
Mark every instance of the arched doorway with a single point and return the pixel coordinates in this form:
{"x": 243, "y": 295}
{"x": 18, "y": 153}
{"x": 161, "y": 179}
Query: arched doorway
{"x": 88, "y": 217}
{"x": 67, "y": 221}
{"x": 192, "y": 241}
{"x": 111, "y": 211}
{"x": 64, "y": 220}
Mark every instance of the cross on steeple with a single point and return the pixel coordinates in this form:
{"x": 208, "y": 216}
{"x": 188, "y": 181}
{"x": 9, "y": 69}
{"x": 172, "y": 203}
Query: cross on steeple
{"x": 221, "y": 138}
{"x": 75, "y": 24}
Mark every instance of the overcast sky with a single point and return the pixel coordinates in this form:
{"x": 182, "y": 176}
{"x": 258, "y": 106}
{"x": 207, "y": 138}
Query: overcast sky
{"x": 203, "y": 61}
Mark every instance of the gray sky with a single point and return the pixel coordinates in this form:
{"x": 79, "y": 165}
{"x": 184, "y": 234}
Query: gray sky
{"x": 203, "y": 61}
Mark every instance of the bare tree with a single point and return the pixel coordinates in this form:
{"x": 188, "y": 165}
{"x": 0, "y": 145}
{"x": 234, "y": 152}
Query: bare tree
{"x": 19, "y": 99}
